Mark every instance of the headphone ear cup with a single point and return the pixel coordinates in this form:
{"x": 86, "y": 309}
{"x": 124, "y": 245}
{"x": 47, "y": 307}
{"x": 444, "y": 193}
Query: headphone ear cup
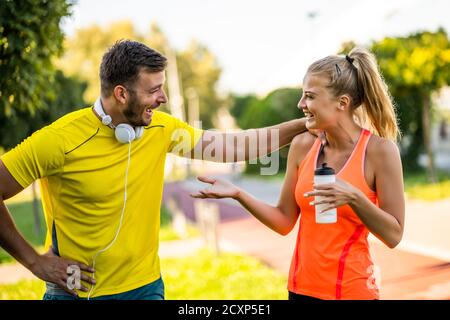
{"x": 125, "y": 133}
{"x": 139, "y": 132}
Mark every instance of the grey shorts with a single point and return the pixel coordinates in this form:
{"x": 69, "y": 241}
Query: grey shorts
{"x": 151, "y": 291}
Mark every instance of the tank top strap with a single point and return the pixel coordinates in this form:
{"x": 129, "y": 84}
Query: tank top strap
{"x": 311, "y": 157}
{"x": 359, "y": 154}
{"x": 355, "y": 168}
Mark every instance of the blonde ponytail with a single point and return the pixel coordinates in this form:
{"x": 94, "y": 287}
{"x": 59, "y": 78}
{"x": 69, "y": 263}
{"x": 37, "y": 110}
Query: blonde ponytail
{"x": 377, "y": 108}
{"x": 357, "y": 75}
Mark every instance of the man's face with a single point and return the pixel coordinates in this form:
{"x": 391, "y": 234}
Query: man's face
{"x": 146, "y": 95}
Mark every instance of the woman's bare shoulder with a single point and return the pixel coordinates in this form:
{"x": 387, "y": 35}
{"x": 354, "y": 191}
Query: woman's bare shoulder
{"x": 303, "y": 140}
{"x": 301, "y": 144}
{"x": 381, "y": 149}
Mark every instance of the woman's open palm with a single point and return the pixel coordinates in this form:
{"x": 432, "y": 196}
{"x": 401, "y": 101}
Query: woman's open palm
{"x": 218, "y": 189}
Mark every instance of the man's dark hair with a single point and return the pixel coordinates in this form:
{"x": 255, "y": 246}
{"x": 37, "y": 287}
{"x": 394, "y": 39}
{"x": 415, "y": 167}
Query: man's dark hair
{"x": 122, "y": 63}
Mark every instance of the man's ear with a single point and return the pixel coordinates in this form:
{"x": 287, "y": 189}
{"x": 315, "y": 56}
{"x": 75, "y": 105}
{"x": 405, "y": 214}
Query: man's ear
{"x": 344, "y": 102}
{"x": 121, "y": 94}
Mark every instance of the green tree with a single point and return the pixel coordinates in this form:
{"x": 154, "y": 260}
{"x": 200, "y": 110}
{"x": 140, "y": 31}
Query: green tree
{"x": 156, "y": 38}
{"x": 200, "y": 71}
{"x": 278, "y": 106}
{"x": 415, "y": 67}
{"x": 68, "y": 98}
{"x": 14, "y": 129}
{"x": 30, "y": 36}
{"x": 239, "y": 106}
{"x": 83, "y": 53}
{"x": 197, "y": 66}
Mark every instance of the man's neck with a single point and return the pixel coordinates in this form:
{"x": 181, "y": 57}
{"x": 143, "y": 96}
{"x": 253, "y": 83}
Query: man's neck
{"x": 113, "y": 110}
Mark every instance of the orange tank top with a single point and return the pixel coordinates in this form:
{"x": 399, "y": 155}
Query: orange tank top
{"x": 332, "y": 261}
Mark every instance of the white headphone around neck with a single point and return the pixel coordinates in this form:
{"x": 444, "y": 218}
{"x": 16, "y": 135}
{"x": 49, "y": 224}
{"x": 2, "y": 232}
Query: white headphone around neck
{"x": 124, "y": 134}
{"x": 123, "y": 131}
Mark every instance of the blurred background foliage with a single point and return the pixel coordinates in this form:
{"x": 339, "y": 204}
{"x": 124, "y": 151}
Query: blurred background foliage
{"x": 197, "y": 66}
{"x": 49, "y": 76}
{"x": 278, "y": 106}
{"x": 33, "y": 92}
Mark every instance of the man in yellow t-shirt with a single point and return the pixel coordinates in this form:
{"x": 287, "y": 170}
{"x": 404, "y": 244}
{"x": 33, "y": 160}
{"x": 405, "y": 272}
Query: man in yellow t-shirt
{"x": 101, "y": 172}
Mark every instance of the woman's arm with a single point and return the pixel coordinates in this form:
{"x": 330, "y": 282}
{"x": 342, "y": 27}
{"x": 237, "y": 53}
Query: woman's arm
{"x": 283, "y": 217}
{"x": 386, "y": 222}
{"x": 280, "y": 218}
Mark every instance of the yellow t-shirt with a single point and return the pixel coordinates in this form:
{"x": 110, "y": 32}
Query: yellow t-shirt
{"x": 82, "y": 167}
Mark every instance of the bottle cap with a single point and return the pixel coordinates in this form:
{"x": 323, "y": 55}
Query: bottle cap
{"x": 324, "y": 170}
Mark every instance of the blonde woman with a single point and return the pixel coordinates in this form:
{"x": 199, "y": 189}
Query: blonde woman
{"x": 346, "y": 98}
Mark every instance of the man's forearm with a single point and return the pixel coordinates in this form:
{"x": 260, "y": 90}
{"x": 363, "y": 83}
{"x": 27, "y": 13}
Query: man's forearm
{"x": 247, "y": 144}
{"x": 288, "y": 130}
{"x": 13, "y": 242}
{"x": 271, "y": 139}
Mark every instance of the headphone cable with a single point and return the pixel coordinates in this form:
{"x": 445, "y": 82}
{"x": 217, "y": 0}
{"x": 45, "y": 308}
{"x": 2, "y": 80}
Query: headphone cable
{"x": 120, "y": 223}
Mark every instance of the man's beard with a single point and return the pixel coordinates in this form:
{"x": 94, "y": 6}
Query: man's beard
{"x": 134, "y": 119}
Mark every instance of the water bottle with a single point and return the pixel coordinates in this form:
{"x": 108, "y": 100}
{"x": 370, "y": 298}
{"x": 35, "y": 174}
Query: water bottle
{"x": 324, "y": 175}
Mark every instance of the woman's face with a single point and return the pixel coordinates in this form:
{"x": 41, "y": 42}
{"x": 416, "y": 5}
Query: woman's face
{"x": 318, "y": 104}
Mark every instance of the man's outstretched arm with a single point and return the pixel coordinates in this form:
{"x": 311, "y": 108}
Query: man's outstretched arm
{"x": 247, "y": 144}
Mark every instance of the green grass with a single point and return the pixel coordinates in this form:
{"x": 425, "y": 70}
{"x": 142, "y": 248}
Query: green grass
{"x": 22, "y": 290}
{"x": 23, "y": 217}
{"x": 228, "y": 276}
{"x": 202, "y": 276}
{"x": 418, "y": 187}
{"x": 167, "y": 233}
{"x": 22, "y": 214}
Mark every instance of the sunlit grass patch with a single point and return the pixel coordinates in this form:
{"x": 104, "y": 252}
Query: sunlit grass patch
{"x": 201, "y": 276}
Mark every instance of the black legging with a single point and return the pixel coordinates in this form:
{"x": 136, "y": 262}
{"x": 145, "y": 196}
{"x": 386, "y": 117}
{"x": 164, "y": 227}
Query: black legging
{"x": 301, "y": 297}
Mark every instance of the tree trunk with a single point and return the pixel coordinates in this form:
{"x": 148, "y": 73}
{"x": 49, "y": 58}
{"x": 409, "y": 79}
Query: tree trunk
{"x": 426, "y": 123}
{"x": 37, "y": 221}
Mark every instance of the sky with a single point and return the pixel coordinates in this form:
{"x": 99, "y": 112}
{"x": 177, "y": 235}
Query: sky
{"x": 262, "y": 45}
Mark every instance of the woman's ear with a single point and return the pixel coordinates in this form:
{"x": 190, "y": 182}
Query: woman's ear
{"x": 344, "y": 102}
{"x": 120, "y": 93}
